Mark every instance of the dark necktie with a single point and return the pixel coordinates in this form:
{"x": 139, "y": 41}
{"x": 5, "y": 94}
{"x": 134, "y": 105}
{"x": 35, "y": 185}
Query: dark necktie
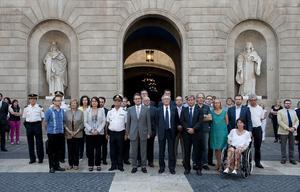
{"x": 167, "y": 118}
{"x": 191, "y": 117}
{"x": 289, "y": 118}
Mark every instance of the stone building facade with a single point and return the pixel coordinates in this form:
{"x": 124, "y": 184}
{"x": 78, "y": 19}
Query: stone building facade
{"x": 92, "y": 34}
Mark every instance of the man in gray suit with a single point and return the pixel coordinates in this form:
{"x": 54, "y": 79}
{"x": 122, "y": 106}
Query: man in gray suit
{"x": 138, "y": 128}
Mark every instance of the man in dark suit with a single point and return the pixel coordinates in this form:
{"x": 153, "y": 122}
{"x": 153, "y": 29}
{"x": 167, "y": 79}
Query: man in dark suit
{"x": 191, "y": 119}
{"x": 167, "y": 120}
{"x": 3, "y": 121}
{"x": 205, "y": 129}
{"x": 104, "y": 146}
{"x": 138, "y": 129}
{"x": 179, "y": 139}
{"x": 167, "y": 92}
{"x": 239, "y": 111}
{"x": 125, "y": 106}
{"x": 150, "y": 141}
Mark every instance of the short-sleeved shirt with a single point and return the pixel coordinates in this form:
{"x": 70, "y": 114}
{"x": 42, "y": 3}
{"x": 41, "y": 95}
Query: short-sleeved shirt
{"x": 239, "y": 140}
{"x": 33, "y": 113}
{"x": 257, "y": 114}
{"x": 55, "y": 121}
{"x": 116, "y": 119}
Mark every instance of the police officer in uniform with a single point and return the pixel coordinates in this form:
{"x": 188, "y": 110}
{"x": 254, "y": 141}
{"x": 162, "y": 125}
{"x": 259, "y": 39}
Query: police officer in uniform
{"x": 33, "y": 115}
{"x": 116, "y": 123}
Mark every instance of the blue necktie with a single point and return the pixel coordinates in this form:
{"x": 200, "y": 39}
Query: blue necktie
{"x": 167, "y": 119}
{"x": 289, "y": 118}
{"x": 191, "y": 117}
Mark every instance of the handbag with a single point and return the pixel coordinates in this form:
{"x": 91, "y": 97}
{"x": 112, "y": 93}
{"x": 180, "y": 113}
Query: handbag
{"x": 270, "y": 115}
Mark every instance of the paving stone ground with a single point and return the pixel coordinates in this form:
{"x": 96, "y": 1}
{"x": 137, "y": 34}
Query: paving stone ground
{"x": 17, "y": 175}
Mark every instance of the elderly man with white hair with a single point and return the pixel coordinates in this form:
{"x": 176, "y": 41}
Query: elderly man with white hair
{"x": 257, "y": 115}
{"x": 167, "y": 121}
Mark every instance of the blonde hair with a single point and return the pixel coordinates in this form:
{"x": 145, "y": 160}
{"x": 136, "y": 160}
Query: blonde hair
{"x": 74, "y": 100}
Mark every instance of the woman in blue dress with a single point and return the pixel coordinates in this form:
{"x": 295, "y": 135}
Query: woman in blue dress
{"x": 218, "y": 131}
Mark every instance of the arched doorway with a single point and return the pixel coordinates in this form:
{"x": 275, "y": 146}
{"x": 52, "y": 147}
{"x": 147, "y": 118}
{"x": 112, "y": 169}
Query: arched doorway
{"x": 153, "y": 37}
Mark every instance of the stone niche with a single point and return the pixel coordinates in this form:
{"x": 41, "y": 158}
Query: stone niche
{"x": 260, "y": 46}
{"x": 265, "y": 43}
{"x": 39, "y": 43}
{"x": 63, "y": 45}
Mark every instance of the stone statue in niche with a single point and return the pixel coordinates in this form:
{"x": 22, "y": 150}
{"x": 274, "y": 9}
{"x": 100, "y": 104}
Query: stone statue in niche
{"x": 248, "y": 67}
{"x": 56, "y": 69}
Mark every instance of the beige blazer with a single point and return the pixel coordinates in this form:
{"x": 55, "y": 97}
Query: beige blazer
{"x": 283, "y": 121}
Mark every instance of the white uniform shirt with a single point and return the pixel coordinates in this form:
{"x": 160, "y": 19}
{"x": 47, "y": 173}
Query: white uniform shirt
{"x": 33, "y": 113}
{"x": 116, "y": 119}
{"x": 257, "y": 114}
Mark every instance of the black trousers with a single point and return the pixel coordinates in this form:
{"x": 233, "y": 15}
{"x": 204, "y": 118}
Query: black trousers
{"x": 169, "y": 139}
{"x": 126, "y": 150}
{"x": 62, "y": 154}
{"x": 298, "y": 136}
{"x": 93, "y": 149}
{"x": 73, "y": 151}
{"x": 150, "y": 149}
{"x": 210, "y": 153}
{"x": 275, "y": 127}
{"x": 190, "y": 141}
{"x": 34, "y": 132}
{"x": 116, "y": 144}
{"x": 2, "y": 130}
{"x": 257, "y": 136}
{"x": 81, "y": 145}
{"x": 104, "y": 150}
{"x": 55, "y": 144}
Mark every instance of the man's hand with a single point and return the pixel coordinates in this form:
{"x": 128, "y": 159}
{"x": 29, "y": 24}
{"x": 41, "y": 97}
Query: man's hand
{"x": 107, "y": 137}
{"x": 125, "y": 137}
{"x": 179, "y": 128}
{"x": 190, "y": 130}
{"x": 207, "y": 117}
{"x": 148, "y": 137}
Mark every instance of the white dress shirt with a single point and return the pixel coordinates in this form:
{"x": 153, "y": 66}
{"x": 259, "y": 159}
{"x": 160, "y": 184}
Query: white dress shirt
{"x": 165, "y": 108}
{"x": 238, "y": 111}
{"x": 257, "y": 114}
{"x": 138, "y": 110}
{"x": 179, "y": 109}
{"x": 117, "y": 119}
{"x": 33, "y": 113}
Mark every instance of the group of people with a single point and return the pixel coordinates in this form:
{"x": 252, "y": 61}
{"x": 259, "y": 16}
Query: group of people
{"x": 199, "y": 124}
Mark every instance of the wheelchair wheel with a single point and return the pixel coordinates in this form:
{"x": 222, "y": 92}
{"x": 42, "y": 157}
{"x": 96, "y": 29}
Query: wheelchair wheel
{"x": 243, "y": 167}
{"x": 223, "y": 159}
{"x": 250, "y": 162}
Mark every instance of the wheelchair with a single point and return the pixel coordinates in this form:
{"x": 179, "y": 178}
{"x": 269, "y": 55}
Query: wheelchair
{"x": 246, "y": 162}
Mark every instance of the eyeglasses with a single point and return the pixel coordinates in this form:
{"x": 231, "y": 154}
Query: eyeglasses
{"x": 57, "y": 100}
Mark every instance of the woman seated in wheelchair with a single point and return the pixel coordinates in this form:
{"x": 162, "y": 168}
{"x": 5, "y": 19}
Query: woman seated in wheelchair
{"x": 238, "y": 141}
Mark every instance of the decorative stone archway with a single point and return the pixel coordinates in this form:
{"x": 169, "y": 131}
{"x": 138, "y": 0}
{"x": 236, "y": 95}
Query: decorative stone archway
{"x": 40, "y": 36}
{"x": 172, "y": 20}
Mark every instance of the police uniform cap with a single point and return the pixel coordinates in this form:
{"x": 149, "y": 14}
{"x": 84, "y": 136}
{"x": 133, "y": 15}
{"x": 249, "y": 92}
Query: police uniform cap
{"x": 118, "y": 97}
{"x": 59, "y": 93}
{"x": 32, "y": 96}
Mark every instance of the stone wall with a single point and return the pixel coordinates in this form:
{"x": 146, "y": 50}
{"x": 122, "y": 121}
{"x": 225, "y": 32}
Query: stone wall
{"x": 95, "y": 30}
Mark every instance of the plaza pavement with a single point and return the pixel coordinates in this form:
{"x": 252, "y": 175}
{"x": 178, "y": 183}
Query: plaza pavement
{"x": 17, "y": 175}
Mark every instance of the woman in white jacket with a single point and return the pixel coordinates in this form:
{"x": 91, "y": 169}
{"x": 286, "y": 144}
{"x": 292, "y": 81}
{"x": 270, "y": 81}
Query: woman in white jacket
{"x": 94, "y": 123}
